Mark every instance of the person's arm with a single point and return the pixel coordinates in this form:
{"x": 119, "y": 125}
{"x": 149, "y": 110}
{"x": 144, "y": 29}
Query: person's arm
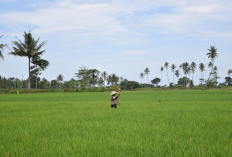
{"x": 119, "y": 94}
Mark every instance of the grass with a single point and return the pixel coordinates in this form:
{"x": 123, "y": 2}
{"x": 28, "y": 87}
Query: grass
{"x": 185, "y": 123}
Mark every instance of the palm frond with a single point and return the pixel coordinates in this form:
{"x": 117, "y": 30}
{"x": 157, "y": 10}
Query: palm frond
{"x": 1, "y": 48}
{"x": 1, "y": 56}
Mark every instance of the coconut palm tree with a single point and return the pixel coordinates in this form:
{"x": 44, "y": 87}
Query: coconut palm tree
{"x": 93, "y": 73}
{"x": 193, "y": 69}
{"x": 161, "y": 70}
{"x": 186, "y": 68}
{"x": 146, "y": 72}
{"x": 60, "y": 78}
{"x": 183, "y": 68}
{"x": 202, "y": 69}
{"x": 141, "y": 75}
{"x": 177, "y": 74}
{"x": 115, "y": 79}
{"x": 109, "y": 80}
{"x": 166, "y": 64}
{"x": 1, "y": 49}
{"x": 212, "y": 54}
{"x": 28, "y": 48}
{"x": 104, "y": 76}
{"x": 173, "y": 67}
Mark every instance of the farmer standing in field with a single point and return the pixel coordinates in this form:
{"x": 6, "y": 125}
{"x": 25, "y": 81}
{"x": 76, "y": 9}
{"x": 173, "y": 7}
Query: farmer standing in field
{"x": 114, "y": 99}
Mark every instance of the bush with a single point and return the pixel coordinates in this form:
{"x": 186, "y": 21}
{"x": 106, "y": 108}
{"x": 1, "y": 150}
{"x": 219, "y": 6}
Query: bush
{"x": 14, "y": 91}
{"x": 101, "y": 89}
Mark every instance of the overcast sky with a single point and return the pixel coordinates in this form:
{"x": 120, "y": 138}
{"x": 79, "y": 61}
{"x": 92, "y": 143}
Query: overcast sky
{"x": 119, "y": 36}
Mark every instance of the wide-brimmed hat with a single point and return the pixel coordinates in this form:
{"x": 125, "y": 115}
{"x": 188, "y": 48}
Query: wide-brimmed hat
{"x": 113, "y": 92}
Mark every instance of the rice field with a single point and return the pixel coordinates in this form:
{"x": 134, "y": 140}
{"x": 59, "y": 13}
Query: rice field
{"x": 184, "y": 123}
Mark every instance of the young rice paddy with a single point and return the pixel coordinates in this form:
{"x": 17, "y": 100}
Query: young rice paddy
{"x": 185, "y": 123}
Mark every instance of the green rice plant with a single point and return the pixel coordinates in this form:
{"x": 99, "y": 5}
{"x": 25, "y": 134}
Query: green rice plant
{"x": 184, "y": 123}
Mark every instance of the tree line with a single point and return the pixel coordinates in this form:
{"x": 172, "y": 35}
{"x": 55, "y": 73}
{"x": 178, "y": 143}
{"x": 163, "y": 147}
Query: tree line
{"x": 188, "y": 70}
{"x": 31, "y": 47}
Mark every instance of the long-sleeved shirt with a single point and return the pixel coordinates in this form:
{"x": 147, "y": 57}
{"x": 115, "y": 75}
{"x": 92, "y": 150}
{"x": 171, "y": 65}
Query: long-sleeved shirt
{"x": 114, "y": 100}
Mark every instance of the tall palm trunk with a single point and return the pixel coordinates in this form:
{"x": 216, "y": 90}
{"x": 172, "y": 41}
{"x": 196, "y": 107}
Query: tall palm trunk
{"x": 36, "y": 81}
{"x": 201, "y": 80}
{"x": 189, "y": 79}
{"x": 192, "y": 77}
{"x": 174, "y": 77}
{"x": 202, "y": 77}
{"x": 168, "y": 76}
{"x": 29, "y": 78}
{"x": 161, "y": 79}
{"x": 185, "y": 79}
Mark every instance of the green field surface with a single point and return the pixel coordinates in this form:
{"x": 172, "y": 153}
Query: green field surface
{"x": 185, "y": 123}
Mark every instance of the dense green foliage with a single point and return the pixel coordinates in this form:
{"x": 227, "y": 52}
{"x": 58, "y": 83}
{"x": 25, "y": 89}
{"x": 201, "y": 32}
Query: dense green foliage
{"x": 181, "y": 123}
{"x": 129, "y": 85}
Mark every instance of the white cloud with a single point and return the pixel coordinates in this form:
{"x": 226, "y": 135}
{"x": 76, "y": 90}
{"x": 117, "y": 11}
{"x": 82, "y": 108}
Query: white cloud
{"x": 193, "y": 19}
{"x": 70, "y": 17}
{"x": 122, "y": 19}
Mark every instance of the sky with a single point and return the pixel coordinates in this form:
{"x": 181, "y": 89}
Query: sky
{"x": 118, "y": 36}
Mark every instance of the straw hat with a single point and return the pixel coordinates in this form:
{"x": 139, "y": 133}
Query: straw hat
{"x": 113, "y": 92}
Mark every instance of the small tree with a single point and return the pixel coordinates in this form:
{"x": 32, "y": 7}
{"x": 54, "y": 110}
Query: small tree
{"x": 82, "y": 76}
{"x": 215, "y": 74}
{"x": 155, "y": 81}
{"x": 39, "y": 65}
{"x": 184, "y": 81}
{"x": 60, "y": 78}
{"x": 228, "y": 80}
{"x": 101, "y": 81}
